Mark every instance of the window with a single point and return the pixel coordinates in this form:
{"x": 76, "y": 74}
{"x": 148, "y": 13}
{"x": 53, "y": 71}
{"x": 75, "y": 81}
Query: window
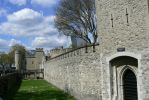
{"x": 148, "y": 4}
{"x": 32, "y": 62}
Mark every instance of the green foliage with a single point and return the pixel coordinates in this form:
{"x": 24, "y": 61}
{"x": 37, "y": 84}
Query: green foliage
{"x": 6, "y": 59}
{"x": 18, "y": 47}
{"x": 40, "y": 90}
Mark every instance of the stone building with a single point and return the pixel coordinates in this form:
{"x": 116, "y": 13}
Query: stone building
{"x": 33, "y": 66}
{"x": 34, "y": 61}
{"x": 123, "y": 26}
{"x": 119, "y": 69}
{"x": 34, "y": 58}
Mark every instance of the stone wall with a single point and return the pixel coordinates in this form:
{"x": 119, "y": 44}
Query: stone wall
{"x": 130, "y": 30}
{"x": 30, "y": 63}
{"x": 76, "y": 72}
{"x": 121, "y": 24}
{"x": 58, "y": 51}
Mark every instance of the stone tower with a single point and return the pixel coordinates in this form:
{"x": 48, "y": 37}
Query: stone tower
{"x": 39, "y": 56}
{"x": 17, "y": 60}
{"x": 123, "y": 28}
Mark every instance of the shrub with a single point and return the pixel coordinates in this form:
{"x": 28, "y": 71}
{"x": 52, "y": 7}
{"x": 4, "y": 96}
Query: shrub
{"x": 9, "y": 84}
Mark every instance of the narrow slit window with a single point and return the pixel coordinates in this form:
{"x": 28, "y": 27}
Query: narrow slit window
{"x": 148, "y": 4}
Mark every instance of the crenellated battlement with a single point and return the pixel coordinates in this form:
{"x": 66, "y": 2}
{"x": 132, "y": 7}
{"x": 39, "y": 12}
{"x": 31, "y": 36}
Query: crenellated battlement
{"x": 58, "y": 51}
{"x": 67, "y": 53}
{"x": 107, "y": 72}
{"x": 77, "y": 71}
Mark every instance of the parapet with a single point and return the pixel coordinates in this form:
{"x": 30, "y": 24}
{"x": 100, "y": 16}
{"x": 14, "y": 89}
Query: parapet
{"x": 58, "y": 51}
{"x": 73, "y": 52}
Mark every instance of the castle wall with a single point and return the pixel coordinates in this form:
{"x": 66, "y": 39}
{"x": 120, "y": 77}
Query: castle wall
{"x": 33, "y": 62}
{"x": 38, "y": 57}
{"x": 77, "y": 72}
{"x": 130, "y": 30}
{"x": 121, "y": 25}
{"x": 58, "y": 51}
{"x": 132, "y": 35}
{"x": 30, "y": 63}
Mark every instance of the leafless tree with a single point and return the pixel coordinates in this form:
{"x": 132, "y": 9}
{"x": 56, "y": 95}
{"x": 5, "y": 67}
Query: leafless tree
{"x": 77, "y": 18}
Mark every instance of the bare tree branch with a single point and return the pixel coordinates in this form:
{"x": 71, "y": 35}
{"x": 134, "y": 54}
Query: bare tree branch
{"x": 77, "y": 18}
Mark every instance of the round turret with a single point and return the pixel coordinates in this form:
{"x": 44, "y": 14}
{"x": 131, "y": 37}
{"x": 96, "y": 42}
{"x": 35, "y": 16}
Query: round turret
{"x": 17, "y": 60}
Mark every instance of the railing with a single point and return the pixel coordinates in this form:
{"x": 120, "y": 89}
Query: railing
{"x": 85, "y": 47}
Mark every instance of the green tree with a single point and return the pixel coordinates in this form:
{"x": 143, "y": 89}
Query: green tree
{"x": 7, "y": 59}
{"x": 77, "y": 18}
{"x": 4, "y": 60}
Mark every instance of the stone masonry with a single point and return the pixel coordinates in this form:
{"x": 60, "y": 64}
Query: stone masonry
{"x": 77, "y": 72}
{"x": 123, "y": 31}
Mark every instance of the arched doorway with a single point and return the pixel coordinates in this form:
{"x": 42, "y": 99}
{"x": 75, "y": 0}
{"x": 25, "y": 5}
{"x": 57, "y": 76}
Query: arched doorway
{"x": 130, "y": 85}
{"x": 123, "y": 78}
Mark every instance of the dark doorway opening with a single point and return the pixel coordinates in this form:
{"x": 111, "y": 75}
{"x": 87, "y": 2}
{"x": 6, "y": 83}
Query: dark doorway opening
{"x": 130, "y": 85}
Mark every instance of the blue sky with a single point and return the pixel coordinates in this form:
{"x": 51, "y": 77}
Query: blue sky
{"x": 29, "y": 23}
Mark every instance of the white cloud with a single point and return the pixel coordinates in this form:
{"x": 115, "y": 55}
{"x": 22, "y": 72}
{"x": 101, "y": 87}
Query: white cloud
{"x": 50, "y": 42}
{"x": 28, "y": 22}
{"x": 25, "y": 15}
{"x": 45, "y": 3}
{"x": 13, "y": 42}
{"x": 6, "y": 44}
{"x": 18, "y": 2}
{"x": 32, "y": 24}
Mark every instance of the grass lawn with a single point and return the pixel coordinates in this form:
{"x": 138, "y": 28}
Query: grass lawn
{"x": 40, "y": 90}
